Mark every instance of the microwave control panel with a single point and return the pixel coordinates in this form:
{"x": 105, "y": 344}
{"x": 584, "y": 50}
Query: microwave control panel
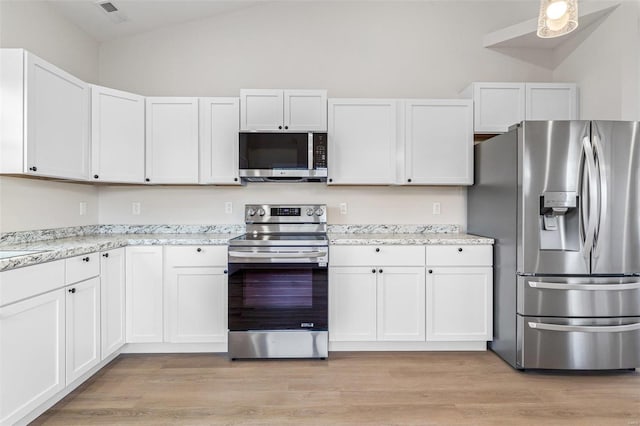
{"x": 319, "y": 150}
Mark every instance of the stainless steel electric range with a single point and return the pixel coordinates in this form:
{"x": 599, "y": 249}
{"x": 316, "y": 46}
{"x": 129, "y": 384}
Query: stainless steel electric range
{"x": 278, "y": 283}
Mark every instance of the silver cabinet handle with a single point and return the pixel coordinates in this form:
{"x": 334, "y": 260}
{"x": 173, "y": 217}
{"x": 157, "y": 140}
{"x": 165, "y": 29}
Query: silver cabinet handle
{"x": 568, "y": 286}
{"x": 585, "y": 328}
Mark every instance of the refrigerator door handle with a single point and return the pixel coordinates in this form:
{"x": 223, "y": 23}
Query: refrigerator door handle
{"x": 585, "y": 328}
{"x": 572, "y": 286}
{"x": 602, "y": 177}
{"x": 593, "y": 197}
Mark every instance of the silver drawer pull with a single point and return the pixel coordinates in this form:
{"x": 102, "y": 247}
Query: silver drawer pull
{"x": 568, "y": 286}
{"x": 585, "y": 328}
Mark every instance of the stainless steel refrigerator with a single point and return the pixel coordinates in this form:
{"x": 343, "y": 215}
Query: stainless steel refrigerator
{"x": 562, "y": 200}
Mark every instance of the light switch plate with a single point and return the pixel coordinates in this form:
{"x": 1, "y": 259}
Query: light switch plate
{"x": 228, "y": 207}
{"x": 343, "y": 208}
{"x": 135, "y": 208}
{"x": 436, "y": 208}
{"x": 83, "y": 208}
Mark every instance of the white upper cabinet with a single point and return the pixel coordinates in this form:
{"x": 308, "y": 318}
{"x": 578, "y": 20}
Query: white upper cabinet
{"x": 438, "y": 142}
{"x": 283, "y": 110}
{"x": 363, "y": 137}
{"x": 219, "y": 126}
{"x": 45, "y": 118}
{"x": 496, "y": 105}
{"x": 305, "y": 110}
{"x": 117, "y": 136}
{"x": 551, "y": 101}
{"x": 172, "y": 140}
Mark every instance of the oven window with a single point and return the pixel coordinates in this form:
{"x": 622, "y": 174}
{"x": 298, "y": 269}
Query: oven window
{"x": 278, "y": 289}
{"x": 277, "y": 297}
{"x": 274, "y": 151}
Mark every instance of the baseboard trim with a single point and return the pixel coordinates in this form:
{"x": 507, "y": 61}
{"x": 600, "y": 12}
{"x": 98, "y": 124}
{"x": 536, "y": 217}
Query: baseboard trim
{"x": 407, "y": 346}
{"x": 167, "y": 348}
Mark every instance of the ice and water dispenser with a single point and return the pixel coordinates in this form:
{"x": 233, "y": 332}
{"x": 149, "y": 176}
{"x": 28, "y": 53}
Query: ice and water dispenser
{"x": 559, "y": 221}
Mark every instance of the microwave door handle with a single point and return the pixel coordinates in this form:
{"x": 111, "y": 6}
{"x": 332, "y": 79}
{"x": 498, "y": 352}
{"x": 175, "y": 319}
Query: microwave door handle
{"x": 310, "y": 151}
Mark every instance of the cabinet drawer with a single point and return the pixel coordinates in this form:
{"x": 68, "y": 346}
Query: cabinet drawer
{"x": 18, "y": 284}
{"x": 196, "y": 255}
{"x": 376, "y": 255}
{"x": 463, "y": 255}
{"x": 82, "y": 267}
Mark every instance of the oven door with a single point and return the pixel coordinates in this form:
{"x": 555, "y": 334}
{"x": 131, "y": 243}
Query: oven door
{"x": 278, "y": 296}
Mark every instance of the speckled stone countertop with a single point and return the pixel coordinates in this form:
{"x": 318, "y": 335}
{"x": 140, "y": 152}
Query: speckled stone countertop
{"x": 60, "y": 243}
{"x": 55, "y": 249}
{"x": 407, "y": 239}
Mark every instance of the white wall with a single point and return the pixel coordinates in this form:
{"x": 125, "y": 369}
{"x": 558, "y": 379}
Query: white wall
{"x": 34, "y": 203}
{"x": 359, "y": 49}
{"x": 353, "y": 49}
{"x": 606, "y": 66}
{"x": 197, "y": 205}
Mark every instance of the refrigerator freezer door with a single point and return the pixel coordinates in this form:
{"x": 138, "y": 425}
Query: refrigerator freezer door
{"x": 617, "y": 243}
{"x": 578, "y": 343}
{"x": 557, "y": 197}
{"x": 579, "y": 296}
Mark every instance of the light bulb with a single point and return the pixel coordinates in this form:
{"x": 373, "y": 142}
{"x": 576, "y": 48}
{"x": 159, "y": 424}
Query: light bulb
{"x": 556, "y": 10}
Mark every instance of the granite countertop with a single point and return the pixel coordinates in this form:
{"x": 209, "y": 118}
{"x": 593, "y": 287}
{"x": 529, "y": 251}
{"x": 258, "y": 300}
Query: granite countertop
{"x": 407, "y": 239}
{"x": 60, "y": 243}
{"x": 61, "y": 248}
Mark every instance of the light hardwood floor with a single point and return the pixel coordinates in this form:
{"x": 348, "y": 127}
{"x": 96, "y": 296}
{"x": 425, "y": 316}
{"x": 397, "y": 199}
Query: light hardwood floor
{"x": 426, "y": 388}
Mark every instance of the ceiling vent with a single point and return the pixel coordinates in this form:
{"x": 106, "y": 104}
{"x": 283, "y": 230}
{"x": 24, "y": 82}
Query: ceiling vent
{"x": 110, "y": 9}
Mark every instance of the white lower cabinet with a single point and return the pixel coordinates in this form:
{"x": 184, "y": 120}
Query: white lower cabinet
{"x": 196, "y": 294}
{"x": 32, "y": 354}
{"x": 83, "y": 327}
{"x": 352, "y": 304}
{"x": 144, "y": 311}
{"x": 459, "y": 303}
{"x": 401, "y": 303}
{"x": 112, "y": 301}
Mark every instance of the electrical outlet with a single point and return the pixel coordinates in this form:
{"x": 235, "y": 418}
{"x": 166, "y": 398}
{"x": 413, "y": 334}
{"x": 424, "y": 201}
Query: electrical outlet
{"x": 228, "y": 207}
{"x": 343, "y": 208}
{"x": 436, "y": 208}
{"x": 83, "y": 208}
{"x": 135, "y": 208}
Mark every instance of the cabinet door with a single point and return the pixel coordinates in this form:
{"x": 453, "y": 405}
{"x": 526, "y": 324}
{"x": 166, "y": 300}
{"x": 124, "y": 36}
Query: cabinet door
{"x": 112, "y": 301}
{"x": 362, "y": 141}
{"x": 144, "y": 311}
{"x": 261, "y": 109}
{"x": 32, "y": 354}
{"x": 439, "y": 142}
{"x": 83, "y": 327}
{"x": 57, "y": 128}
{"x": 305, "y": 110}
{"x": 172, "y": 140}
{"x": 219, "y": 125}
{"x": 497, "y": 106}
{"x": 195, "y": 304}
{"x": 401, "y": 303}
{"x": 459, "y": 304}
{"x": 551, "y": 101}
{"x": 117, "y": 136}
{"x": 352, "y": 304}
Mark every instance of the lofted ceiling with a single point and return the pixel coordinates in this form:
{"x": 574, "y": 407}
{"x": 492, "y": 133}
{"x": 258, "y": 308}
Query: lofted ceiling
{"x": 141, "y": 15}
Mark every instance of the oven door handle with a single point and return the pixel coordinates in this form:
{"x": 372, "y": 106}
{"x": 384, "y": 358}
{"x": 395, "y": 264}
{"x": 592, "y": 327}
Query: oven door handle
{"x": 574, "y": 286}
{"x": 276, "y": 255}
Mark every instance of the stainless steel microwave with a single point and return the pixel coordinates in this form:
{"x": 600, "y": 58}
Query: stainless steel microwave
{"x": 283, "y": 156}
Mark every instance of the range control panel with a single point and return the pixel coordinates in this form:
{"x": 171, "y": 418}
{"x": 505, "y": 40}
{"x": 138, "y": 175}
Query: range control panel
{"x": 285, "y": 213}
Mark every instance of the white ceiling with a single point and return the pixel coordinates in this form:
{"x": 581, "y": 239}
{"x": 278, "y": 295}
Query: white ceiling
{"x": 142, "y": 15}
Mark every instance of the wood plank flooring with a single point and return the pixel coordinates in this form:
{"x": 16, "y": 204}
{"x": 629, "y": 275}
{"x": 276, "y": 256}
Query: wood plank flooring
{"x": 426, "y": 388}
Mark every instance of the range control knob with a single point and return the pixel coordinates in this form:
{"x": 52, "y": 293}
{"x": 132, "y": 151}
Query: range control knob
{"x": 261, "y": 212}
{"x": 309, "y": 212}
{"x": 319, "y": 212}
{"x": 251, "y": 212}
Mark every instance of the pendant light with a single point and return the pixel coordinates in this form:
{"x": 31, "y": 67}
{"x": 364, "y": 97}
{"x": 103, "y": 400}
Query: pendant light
{"x": 557, "y": 17}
